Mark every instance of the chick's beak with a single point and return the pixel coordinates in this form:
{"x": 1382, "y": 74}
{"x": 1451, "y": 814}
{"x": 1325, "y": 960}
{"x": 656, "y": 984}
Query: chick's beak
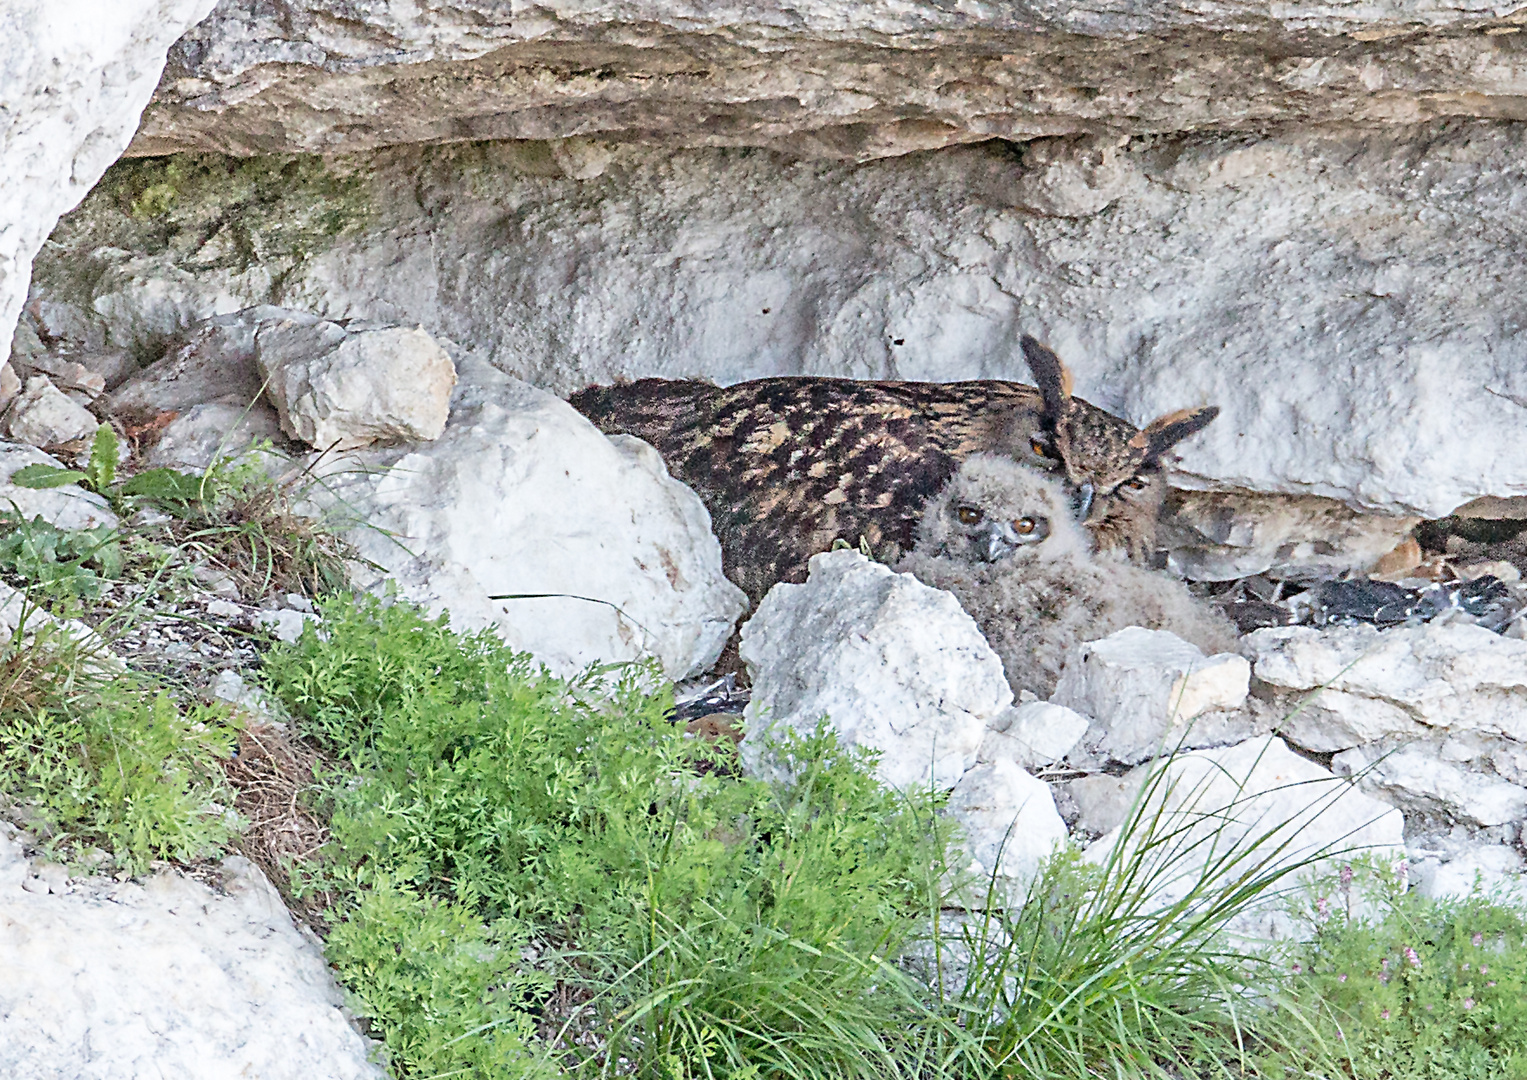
{"x": 999, "y": 541}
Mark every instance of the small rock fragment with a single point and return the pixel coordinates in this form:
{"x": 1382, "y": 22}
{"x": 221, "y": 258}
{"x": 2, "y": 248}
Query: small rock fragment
{"x": 1140, "y": 685}
{"x": 44, "y": 417}
{"x": 1010, "y": 827}
{"x": 335, "y": 389}
{"x": 10, "y": 384}
{"x": 1035, "y": 733}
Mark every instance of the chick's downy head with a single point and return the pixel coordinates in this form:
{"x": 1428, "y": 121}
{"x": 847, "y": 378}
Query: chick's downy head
{"x": 994, "y": 509}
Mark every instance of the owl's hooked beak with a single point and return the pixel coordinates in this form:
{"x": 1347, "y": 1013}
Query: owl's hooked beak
{"x": 1084, "y": 496}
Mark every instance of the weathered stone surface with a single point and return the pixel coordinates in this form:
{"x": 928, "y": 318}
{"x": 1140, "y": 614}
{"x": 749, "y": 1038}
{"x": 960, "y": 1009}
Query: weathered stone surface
{"x": 205, "y": 433}
{"x": 121, "y": 981}
{"x": 1254, "y": 798}
{"x": 597, "y": 554}
{"x": 1452, "y": 677}
{"x": 68, "y": 507}
{"x": 339, "y": 388}
{"x": 214, "y": 363}
{"x": 894, "y": 665}
{"x": 77, "y": 74}
{"x": 816, "y": 77}
{"x": 1460, "y": 870}
{"x": 1009, "y": 827}
{"x": 1143, "y": 688}
{"x": 42, "y": 416}
{"x": 1323, "y": 287}
{"x": 1034, "y": 733}
{"x": 1416, "y": 777}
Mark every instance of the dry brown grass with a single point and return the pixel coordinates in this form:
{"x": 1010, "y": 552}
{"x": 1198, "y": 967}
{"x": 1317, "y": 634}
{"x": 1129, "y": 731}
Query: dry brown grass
{"x": 264, "y": 546}
{"x": 270, "y": 772}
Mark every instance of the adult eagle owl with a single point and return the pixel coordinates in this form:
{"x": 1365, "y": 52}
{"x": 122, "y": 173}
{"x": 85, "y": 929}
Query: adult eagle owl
{"x": 788, "y": 465}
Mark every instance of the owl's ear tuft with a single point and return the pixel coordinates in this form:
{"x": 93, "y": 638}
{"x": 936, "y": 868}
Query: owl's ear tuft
{"x": 1165, "y": 432}
{"x": 1051, "y": 376}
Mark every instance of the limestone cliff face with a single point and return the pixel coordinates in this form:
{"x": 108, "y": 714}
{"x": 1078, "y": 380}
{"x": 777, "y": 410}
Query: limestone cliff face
{"x": 846, "y": 79}
{"x": 1353, "y": 300}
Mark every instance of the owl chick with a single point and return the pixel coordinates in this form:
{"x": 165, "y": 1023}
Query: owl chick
{"x": 1003, "y": 539}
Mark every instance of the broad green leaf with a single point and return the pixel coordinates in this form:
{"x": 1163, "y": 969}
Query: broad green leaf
{"x": 39, "y": 476}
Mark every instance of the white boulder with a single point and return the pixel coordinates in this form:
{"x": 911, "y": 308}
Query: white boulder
{"x": 1008, "y": 826}
{"x": 203, "y": 434}
{"x": 595, "y": 553}
{"x": 1461, "y": 870}
{"x": 338, "y": 388}
{"x": 169, "y": 978}
{"x": 1143, "y": 689}
{"x": 1034, "y": 733}
{"x": 1374, "y": 683}
{"x": 68, "y": 507}
{"x": 894, "y": 665}
{"x": 1248, "y": 804}
{"x": 43, "y": 416}
{"x": 1416, "y": 776}
{"x": 76, "y": 77}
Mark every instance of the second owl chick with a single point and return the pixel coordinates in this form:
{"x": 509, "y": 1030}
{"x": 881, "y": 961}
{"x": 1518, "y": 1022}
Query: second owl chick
{"x": 1002, "y": 538}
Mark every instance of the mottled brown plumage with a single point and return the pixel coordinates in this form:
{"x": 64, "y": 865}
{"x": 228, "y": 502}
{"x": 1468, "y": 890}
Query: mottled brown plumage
{"x": 788, "y": 465}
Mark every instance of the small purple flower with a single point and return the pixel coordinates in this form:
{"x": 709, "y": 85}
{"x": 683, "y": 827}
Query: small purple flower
{"x": 1323, "y": 908}
{"x": 1483, "y": 970}
{"x": 1343, "y": 978}
{"x": 1468, "y": 1003}
{"x": 1298, "y": 970}
{"x": 1401, "y": 870}
{"x": 1428, "y": 1008}
{"x": 1490, "y": 983}
{"x": 1411, "y": 957}
{"x": 1346, "y": 875}
{"x": 1384, "y": 1015}
{"x": 1478, "y": 940}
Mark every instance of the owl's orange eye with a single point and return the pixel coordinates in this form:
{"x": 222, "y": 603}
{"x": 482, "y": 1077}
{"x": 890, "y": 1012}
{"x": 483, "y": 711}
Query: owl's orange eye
{"x": 1039, "y": 448}
{"x": 1137, "y": 483}
{"x": 1025, "y": 526}
{"x": 968, "y": 515}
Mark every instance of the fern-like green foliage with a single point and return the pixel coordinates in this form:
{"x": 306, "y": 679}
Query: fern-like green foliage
{"x": 718, "y": 923}
{"x": 109, "y": 762}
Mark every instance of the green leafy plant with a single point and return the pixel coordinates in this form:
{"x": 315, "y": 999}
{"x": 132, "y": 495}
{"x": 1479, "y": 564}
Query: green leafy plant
{"x": 167, "y": 487}
{"x": 703, "y": 923}
{"x": 62, "y": 563}
{"x": 232, "y": 514}
{"x": 443, "y": 991}
{"x": 1417, "y": 988}
{"x": 102, "y": 759}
